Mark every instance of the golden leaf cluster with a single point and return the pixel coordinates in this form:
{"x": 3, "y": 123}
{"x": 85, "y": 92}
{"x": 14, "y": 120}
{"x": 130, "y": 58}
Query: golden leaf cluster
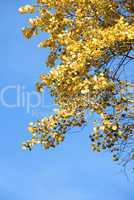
{"x": 84, "y": 35}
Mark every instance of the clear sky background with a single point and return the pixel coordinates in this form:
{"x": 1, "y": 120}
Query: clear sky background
{"x": 71, "y": 171}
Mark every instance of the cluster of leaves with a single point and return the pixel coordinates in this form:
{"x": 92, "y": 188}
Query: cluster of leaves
{"x": 84, "y": 35}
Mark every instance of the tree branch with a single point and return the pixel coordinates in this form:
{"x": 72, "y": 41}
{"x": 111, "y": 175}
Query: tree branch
{"x": 130, "y": 56}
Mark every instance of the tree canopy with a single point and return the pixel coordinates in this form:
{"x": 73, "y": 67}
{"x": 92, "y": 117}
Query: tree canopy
{"x": 90, "y": 43}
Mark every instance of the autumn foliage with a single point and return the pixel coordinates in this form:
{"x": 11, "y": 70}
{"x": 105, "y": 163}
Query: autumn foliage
{"x": 84, "y": 36}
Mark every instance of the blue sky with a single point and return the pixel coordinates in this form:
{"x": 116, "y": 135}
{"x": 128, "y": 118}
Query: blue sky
{"x": 71, "y": 171}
